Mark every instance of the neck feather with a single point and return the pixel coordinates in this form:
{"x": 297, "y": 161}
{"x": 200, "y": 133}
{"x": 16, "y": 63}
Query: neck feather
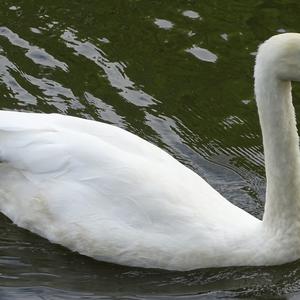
{"x": 281, "y": 148}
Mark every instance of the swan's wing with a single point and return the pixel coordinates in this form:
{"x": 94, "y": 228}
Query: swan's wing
{"x": 79, "y": 191}
{"x": 102, "y": 198}
{"x": 110, "y": 134}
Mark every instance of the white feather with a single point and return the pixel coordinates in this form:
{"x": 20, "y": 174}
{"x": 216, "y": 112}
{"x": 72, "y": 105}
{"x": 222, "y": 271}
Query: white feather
{"x": 108, "y": 194}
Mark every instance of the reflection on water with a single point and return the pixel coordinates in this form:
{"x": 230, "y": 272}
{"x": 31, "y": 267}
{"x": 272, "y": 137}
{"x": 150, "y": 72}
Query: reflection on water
{"x": 114, "y": 71}
{"x": 177, "y": 73}
{"x": 191, "y": 14}
{"x": 37, "y": 55}
{"x": 165, "y": 24}
{"x": 202, "y": 54}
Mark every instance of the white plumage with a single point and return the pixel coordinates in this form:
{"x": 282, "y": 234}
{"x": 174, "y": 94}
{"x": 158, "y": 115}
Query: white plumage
{"x": 106, "y": 193}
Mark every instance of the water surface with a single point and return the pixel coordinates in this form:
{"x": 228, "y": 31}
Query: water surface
{"x": 177, "y": 73}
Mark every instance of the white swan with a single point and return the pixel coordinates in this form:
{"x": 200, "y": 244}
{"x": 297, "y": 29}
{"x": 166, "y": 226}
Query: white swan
{"x": 108, "y": 194}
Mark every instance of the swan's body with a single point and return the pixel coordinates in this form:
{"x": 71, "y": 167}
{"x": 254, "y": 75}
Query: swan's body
{"x": 111, "y": 195}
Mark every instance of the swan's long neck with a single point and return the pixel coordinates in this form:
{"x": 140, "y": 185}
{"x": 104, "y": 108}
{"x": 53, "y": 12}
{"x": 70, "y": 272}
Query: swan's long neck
{"x": 281, "y": 148}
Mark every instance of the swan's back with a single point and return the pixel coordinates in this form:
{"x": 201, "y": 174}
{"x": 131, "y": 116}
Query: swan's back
{"x": 109, "y": 194}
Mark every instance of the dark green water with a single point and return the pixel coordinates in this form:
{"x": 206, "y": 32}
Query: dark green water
{"x": 177, "y": 73}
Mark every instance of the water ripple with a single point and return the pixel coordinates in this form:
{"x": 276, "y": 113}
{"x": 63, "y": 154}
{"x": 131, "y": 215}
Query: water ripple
{"x": 191, "y": 14}
{"x": 115, "y": 71}
{"x": 12, "y": 85}
{"x": 164, "y": 24}
{"x": 202, "y": 54}
{"x": 36, "y": 54}
{"x": 106, "y": 112}
{"x": 55, "y": 93}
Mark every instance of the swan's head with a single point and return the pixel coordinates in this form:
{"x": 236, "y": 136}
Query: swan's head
{"x": 279, "y": 57}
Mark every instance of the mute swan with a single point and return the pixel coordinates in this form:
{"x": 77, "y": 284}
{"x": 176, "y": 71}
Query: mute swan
{"x": 106, "y": 193}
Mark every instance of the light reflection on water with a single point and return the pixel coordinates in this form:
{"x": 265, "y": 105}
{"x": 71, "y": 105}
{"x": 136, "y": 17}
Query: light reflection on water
{"x": 178, "y": 74}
